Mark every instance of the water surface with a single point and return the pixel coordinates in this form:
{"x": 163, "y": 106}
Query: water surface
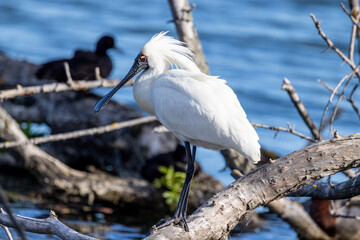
{"x": 253, "y": 44}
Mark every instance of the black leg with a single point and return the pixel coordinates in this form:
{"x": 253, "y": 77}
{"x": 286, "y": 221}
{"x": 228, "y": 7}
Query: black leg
{"x": 180, "y": 212}
{"x": 189, "y": 186}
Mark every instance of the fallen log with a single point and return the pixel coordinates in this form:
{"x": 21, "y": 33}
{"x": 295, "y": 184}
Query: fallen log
{"x": 215, "y": 218}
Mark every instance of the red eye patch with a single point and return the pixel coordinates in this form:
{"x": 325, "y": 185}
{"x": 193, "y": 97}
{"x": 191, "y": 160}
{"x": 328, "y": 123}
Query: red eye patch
{"x": 143, "y": 58}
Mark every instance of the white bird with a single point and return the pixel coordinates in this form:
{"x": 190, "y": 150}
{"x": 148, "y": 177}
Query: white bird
{"x": 198, "y": 109}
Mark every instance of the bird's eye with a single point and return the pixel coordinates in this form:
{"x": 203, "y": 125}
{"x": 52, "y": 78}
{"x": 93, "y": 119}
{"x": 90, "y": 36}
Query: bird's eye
{"x": 143, "y": 58}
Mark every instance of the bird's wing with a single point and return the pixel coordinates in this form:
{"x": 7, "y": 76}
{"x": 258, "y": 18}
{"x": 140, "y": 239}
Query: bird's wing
{"x": 201, "y": 108}
{"x": 52, "y": 70}
{"x": 85, "y": 63}
{"x": 84, "y": 56}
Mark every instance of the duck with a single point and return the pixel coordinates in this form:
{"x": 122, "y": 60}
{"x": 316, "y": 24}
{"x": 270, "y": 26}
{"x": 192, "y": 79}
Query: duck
{"x": 82, "y": 65}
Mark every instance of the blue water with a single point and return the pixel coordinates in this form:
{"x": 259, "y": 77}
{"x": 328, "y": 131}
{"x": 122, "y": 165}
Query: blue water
{"x": 253, "y": 44}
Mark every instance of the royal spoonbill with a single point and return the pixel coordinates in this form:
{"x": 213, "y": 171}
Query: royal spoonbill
{"x": 82, "y": 65}
{"x": 199, "y": 109}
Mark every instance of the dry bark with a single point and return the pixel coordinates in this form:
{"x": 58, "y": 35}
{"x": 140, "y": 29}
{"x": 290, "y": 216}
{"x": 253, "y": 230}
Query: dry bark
{"x": 57, "y": 176}
{"x": 295, "y": 214}
{"x": 50, "y": 225}
{"x": 215, "y": 218}
{"x": 186, "y": 30}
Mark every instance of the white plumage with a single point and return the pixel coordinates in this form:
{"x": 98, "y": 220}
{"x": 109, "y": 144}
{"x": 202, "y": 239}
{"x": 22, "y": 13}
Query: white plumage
{"x": 197, "y": 108}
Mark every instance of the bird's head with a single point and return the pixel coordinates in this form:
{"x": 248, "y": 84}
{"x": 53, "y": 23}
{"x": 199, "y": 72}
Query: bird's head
{"x": 105, "y": 42}
{"x": 158, "y": 55}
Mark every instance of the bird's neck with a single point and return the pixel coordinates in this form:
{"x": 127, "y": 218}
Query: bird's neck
{"x": 142, "y": 90}
{"x": 100, "y": 51}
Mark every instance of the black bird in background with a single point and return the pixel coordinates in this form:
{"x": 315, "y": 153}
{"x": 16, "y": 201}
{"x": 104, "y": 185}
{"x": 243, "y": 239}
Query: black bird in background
{"x": 82, "y": 65}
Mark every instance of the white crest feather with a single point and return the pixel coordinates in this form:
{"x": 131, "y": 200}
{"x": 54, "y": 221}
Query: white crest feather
{"x": 173, "y": 52}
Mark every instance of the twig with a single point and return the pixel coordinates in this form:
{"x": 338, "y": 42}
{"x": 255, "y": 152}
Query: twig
{"x": 332, "y": 90}
{"x": 329, "y": 181}
{"x": 333, "y": 47}
{"x": 282, "y": 129}
{"x": 15, "y": 223}
{"x": 70, "y": 81}
{"x": 79, "y": 133}
{"x": 301, "y": 108}
{"x": 162, "y": 129}
{"x": 354, "y": 7}
{"x": 352, "y": 42}
{"x": 332, "y": 118}
{"x": 351, "y": 16}
{"x": 8, "y": 233}
{"x": 59, "y": 87}
{"x": 97, "y": 74}
{"x": 50, "y": 225}
{"x": 351, "y": 100}
{"x": 332, "y": 96}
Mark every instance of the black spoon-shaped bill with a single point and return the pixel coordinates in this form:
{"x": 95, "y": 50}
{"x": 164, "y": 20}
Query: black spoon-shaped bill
{"x": 135, "y": 69}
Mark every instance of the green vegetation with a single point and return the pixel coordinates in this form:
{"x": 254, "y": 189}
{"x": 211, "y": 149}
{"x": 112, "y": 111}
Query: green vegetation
{"x": 172, "y": 182}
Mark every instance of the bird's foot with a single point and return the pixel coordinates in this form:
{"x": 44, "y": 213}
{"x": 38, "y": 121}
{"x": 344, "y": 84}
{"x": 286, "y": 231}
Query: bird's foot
{"x": 180, "y": 221}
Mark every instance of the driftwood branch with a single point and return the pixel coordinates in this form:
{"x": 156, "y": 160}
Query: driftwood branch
{"x": 6, "y": 205}
{"x": 290, "y": 129}
{"x": 186, "y": 30}
{"x": 325, "y": 191}
{"x": 269, "y": 182}
{"x": 57, "y": 176}
{"x": 58, "y": 87}
{"x": 301, "y": 108}
{"x": 79, "y": 133}
{"x": 282, "y": 129}
{"x": 50, "y": 225}
{"x": 294, "y": 213}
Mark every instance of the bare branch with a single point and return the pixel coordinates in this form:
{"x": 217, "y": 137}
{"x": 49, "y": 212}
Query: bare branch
{"x": 333, "y": 47}
{"x": 352, "y": 42}
{"x": 324, "y": 191}
{"x": 354, "y": 7}
{"x": 301, "y": 108}
{"x": 269, "y": 182}
{"x": 186, "y": 30}
{"x": 17, "y": 226}
{"x": 70, "y": 81}
{"x": 8, "y": 233}
{"x": 79, "y": 133}
{"x": 332, "y": 96}
{"x": 282, "y": 129}
{"x": 353, "y": 15}
{"x": 59, "y": 87}
{"x": 293, "y": 213}
{"x": 351, "y": 100}
{"x": 50, "y": 225}
{"x": 162, "y": 129}
{"x": 332, "y": 90}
